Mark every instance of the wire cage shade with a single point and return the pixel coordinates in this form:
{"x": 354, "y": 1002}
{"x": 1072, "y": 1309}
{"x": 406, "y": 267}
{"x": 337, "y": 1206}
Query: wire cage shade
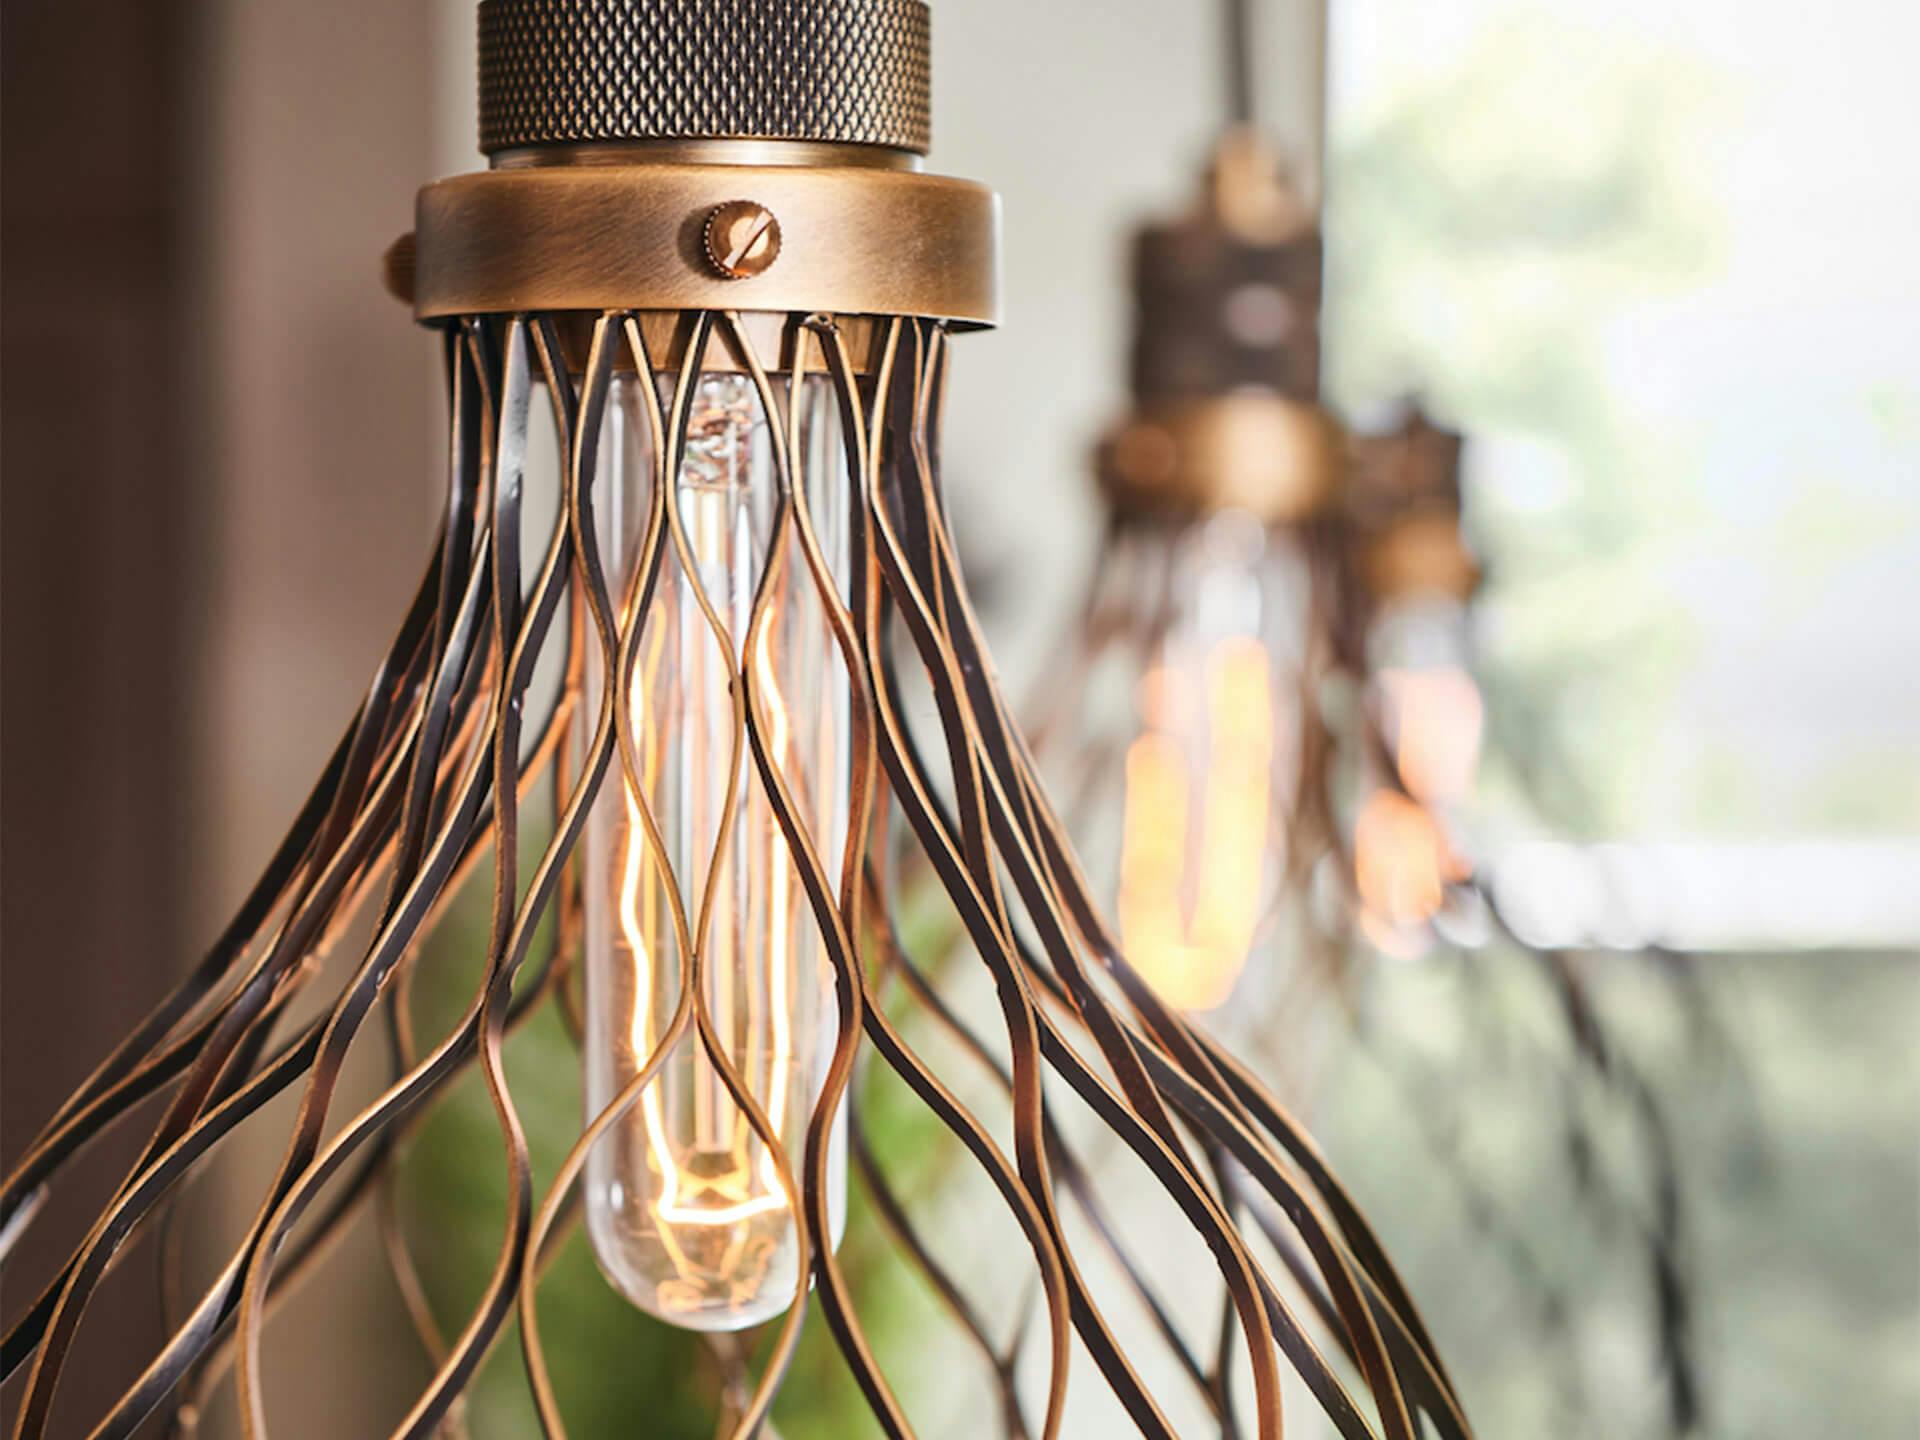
{"x": 454, "y": 737}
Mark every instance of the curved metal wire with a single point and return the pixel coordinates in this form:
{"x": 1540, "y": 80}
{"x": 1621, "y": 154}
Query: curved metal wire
{"x": 1120, "y": 624}
{"x": 428, "y": 781}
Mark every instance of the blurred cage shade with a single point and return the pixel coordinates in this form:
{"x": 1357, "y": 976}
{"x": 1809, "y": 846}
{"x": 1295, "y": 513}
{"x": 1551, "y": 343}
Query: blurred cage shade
{"x": 1657, "y": 262}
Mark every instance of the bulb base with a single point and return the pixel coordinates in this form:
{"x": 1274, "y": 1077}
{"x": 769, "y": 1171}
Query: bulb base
{"x": 1404, "y": 507}
{"x": 1277, "y": 458}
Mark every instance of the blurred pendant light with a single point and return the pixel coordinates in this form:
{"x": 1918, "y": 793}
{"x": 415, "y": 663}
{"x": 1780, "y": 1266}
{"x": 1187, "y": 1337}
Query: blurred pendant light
{"x": 1267, "y": 724}
{"x": 1183, "y": 742}
{"x": 1422, "y": 709}
{"x": 1416, "y": 882}
{"x": 705, "y": 249}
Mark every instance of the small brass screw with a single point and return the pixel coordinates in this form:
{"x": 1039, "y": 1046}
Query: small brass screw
{"x": 742, "y": 239}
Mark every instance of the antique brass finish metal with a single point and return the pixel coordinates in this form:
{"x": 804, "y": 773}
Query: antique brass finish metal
{"x": 1422, "y": 554}
{"x": 1226, "y": 355}
{"x": 397, "y": 266}
{"x": 736, "y": 151}
{"x": 624, "y": 134}
{"x": 1253, "y": 451}
{"x": 565, "y": 71}
{"x": 775, "y": 335}
{"x": 1249, "y": 192}
{"x": 1227, "y": 296}
{"x": 742, "y": 239}
{"x": 775, "y": 338}
{"x": 1404, "y": 507}
{"x": 853, "y": 241}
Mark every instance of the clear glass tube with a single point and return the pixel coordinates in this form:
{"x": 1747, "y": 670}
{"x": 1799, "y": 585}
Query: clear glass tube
{"x": 683, "y": 1201}
{"x": 1427, "y": 709}
{"x": 1195, "y": 647}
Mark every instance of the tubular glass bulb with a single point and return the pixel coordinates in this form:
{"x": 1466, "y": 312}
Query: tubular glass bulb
{"x": 1425, "y": 697}
{"x": 1203, "y": 627}
{"x": 683, "y": 1201}
{"x": 1427, "y": 707}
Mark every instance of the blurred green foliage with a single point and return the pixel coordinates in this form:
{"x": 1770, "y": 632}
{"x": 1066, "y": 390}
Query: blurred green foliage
{"x": 609, "y": 1361}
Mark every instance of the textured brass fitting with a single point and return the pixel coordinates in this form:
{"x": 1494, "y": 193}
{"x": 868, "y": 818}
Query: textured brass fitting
{"x": 1422, "y": 554}
{"x": 1257, "y": 451}
{"x": 1403, "y": 502}
{"x": 1226, "y": 356}
{"x": 1227, "y": 297}
{"x": 561, "y": 72}
{"x": 853, "y": 241}
{"x": 626, "y": 135}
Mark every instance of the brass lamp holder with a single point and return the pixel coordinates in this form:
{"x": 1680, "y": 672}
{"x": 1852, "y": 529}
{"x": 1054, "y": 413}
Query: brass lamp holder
{"x": 1226, "y": 357}
{"x": 656, "y": 179}
{"x": 1403, "y": 513}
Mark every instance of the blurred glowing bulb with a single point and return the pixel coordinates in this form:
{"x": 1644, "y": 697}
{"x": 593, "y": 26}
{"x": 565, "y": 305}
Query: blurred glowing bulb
{"x": 1402, "y": 866}
{"x": 1198, "y": 802}
{"x": 684, "y": 1203}
{"x": 1206, "y": 620}
{"x": 1431, "y": 719}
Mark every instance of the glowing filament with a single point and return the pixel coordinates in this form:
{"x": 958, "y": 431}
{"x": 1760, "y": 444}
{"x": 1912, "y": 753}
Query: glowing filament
{"x": 1193, "y": 848}
{"x": 691, "y": 1202}
{"x": 1402, "y": 867}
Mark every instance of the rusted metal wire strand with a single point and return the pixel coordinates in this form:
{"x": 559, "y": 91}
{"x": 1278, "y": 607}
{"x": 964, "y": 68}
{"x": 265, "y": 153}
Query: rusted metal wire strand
{"x": 1060, "y": 1156}
{"x": 1005, "y": 747}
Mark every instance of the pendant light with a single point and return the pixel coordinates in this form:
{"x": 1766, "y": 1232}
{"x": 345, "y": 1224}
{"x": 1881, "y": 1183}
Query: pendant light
{"x": 1412, "y": 581}
{"x": 706, "y": 251}
{"x": 1258, "y": 837}
{"x": 1422, "y": 711}
{"x": 1187, "y": 727}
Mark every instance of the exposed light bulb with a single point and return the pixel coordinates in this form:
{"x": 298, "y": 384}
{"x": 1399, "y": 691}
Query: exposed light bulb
{"x": 684, "y": 1201}
{"x": 1212, "y": 616}
{"x": 1430, "y": 716}
{"x": 1425, "y": 698}
{"x": 1433, "y": 715}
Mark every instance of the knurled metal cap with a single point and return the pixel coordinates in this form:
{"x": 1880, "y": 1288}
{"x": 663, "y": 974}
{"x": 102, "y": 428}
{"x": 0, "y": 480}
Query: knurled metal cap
{"x": 1413, "y": 468}
{"x": 1227, "y": 296}
{"x": 836, "y": 71}
{"x": 1216, "y": 312}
